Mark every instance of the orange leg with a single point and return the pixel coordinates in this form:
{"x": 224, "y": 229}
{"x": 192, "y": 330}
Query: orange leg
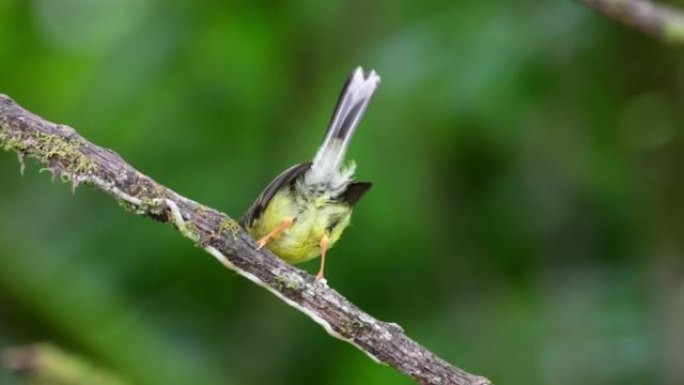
{"x": 324, "y": 249}
{"x": 287, "y": 222}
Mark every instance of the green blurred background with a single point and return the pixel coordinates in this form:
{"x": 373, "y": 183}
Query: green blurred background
{"x": 526, "y": 221}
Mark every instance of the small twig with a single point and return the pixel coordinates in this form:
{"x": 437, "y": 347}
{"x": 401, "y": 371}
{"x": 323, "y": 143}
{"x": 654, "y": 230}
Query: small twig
{"x": 72, "y": 158}
{"x": 659, "y": 20}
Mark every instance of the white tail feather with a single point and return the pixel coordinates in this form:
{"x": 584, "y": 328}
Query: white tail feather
{"x": 356, "y": 95}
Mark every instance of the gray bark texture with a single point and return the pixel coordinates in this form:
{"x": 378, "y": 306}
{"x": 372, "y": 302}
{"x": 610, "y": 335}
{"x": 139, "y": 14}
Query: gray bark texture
{"x": 72, "y": 158}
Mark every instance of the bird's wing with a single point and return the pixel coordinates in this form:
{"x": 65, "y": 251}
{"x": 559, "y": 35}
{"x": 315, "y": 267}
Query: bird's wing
{"x": 354, "y": 192}
{"x": 286, "y": 177}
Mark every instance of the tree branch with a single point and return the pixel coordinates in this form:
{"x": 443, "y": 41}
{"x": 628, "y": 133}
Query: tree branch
{"x": 47, "y": 364}
{"x": 74, "y": 159}
{"x": 659, "y": 20}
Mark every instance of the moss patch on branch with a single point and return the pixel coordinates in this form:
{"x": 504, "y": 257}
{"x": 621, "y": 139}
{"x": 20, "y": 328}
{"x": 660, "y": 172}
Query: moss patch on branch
{"x": 62, "y": 156}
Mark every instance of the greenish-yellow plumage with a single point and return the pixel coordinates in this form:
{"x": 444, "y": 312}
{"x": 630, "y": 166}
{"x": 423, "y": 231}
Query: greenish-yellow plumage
{"x": 301, "y": 241}
{"x": 303, "y": 212}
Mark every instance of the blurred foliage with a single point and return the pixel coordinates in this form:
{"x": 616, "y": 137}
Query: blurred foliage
{"x": 525, "y": 222}
{"x": 44, "y": 364}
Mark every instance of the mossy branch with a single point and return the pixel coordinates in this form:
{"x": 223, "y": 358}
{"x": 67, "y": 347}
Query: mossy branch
{"x": 72, "y": 158}
{"x": 658, "y": 20}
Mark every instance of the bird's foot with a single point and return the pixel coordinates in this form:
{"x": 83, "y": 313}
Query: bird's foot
{"x": 263, "y": 241}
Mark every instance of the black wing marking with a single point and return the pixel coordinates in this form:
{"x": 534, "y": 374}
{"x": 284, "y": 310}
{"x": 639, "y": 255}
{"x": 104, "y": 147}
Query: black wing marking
{"x": 354, "y": 192}
{"x": 286, "y": 177}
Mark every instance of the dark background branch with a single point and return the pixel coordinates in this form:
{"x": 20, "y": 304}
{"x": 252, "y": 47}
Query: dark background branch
{"x": 659, "y": 20}
{"x": 71, "y": 157}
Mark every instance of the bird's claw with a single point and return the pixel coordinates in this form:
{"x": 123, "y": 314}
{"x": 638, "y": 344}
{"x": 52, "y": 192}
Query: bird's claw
{"x": 262, "y": 242}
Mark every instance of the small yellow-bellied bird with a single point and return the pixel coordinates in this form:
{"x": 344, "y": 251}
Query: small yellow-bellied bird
{"x": 305, "y": 209}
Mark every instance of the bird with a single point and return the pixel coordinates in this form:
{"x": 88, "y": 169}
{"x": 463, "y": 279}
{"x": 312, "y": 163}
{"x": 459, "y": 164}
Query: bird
{"x": 303, "y": 212}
